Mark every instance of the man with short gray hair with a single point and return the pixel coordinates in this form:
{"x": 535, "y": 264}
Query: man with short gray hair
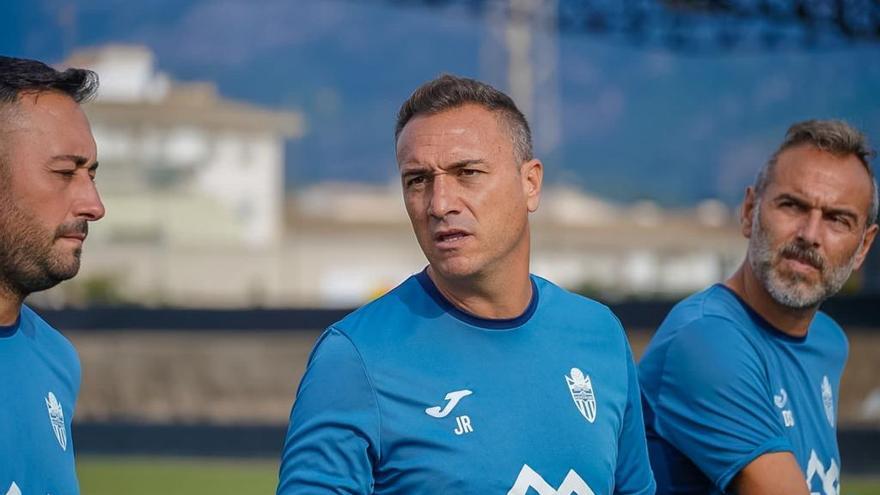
{"x": 740, "y": 382}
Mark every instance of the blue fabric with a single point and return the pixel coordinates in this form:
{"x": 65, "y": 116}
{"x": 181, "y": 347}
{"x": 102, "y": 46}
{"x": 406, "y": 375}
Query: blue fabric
{"x": 721, "y": 386}
{"x": 39, "y": 368}
{"x": 361, "y": 421}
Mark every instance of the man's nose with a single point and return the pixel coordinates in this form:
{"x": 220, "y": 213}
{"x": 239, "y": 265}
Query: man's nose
{"x": 444, "y": 196}
{"x": 87, "y": 204}
{"x": 810, "y": 227}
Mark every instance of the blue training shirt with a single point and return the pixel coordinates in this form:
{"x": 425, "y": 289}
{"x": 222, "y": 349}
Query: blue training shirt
{"x": 721, "y": 386}
{"x": 410, "y": 395}
{"x": 40, "y": 380}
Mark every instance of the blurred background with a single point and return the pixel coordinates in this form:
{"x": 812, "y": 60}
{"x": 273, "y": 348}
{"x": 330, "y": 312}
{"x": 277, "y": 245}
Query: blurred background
{"x": 247, "y": 166}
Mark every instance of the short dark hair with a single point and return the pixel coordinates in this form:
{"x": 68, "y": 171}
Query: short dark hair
{"x": 832, "y": 136}
{"x": 20, "y": 75}
{"x": 448, "y": 91}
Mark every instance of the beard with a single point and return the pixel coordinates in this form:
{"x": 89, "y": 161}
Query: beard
{"x": 793, "y": 290}
{"x": 30, "y": 261}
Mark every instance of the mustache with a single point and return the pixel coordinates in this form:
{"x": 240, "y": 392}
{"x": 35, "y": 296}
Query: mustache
{"x": 803, "y": 253}
{"x": 74, "y": 227}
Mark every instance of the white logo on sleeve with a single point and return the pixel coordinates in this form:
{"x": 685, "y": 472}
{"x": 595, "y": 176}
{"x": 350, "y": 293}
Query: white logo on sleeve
{"x": 828, "y": 400}
{"x": 781, "y": 400}
{"x": 453, "y": 398}
{"x": 13, "y": 490}
{"x": 581, "y": 388}
{"x": 56, "y": 417}
{"x": 573, "y": 484}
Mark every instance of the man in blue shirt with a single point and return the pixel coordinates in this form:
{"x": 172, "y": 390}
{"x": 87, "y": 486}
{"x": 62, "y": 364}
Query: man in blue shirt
{"x": 47, "y": 199}
{"x": 740, "y": 382}
{"x": 472, "y": 376}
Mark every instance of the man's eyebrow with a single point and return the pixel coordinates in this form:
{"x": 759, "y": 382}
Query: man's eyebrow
{"x": 791, "y": 197}
{"x": 830, "y": 210}
{"x": 464, "y": 163}
{"x": 77, "y": 160}
{"x": 416, "y": 168}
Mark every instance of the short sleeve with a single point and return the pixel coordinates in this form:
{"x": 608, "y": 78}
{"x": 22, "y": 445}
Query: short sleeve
{"x": 332, "y": 442}
{"x": 714, "y": 400}
{"x": 633, "y": 472}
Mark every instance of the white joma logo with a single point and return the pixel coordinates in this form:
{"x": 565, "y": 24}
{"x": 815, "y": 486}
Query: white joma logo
{"x": 13, "y": 490}
{"x": 573, "y": 484}
{"x": 453, "y": 398}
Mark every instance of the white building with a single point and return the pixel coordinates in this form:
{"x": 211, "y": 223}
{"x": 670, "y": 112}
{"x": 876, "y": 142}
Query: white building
{"x": 179, "y": 164}
{"x": 196, "y": 214}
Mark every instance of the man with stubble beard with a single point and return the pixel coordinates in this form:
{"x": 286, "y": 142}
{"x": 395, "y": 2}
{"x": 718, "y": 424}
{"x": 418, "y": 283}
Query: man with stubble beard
{"x": 740, "y": 382}
{"x": 472, "y": 376}
{"x": 47, "y": 197}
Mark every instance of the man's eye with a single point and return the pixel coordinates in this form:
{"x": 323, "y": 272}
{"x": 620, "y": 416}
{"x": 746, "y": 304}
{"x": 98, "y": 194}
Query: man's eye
{"x": 414, "y": 181}
{"x": 469, "y": 172}
{"x": 841, "y": 220}
{"x": 791, "y": 205}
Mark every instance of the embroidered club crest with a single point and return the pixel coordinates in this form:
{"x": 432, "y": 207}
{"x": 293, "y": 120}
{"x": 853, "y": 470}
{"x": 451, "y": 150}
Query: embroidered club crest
{"x": 581, "y": 388}
{"x": 56, "y": 417}
{"x": 828, "y": 400}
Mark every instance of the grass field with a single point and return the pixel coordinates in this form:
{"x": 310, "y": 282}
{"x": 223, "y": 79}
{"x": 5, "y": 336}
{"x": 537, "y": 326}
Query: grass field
{"x": 170, "y": 476}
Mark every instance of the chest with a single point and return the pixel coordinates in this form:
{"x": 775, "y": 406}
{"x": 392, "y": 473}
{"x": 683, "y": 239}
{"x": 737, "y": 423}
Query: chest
{"x": 805, "y": 402}
{"x": 35, "y": 419}
{"x": 515, "y": 415}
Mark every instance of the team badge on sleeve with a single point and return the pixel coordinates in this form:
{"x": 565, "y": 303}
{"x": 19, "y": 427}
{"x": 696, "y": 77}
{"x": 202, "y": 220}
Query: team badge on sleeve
{"x": 56, "y": 417}
{"x": 581, "y": 388}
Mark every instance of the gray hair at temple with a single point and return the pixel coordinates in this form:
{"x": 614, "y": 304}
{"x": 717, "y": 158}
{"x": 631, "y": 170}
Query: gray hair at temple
{"x": 832, "y": 136}
{"x": 447, "y": 92}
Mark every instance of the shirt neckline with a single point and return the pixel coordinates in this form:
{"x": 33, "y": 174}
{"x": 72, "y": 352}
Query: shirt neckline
{"x": 772, "y": 329}
{"x": 485, "y": 323}
{"x": 10, "y": 330}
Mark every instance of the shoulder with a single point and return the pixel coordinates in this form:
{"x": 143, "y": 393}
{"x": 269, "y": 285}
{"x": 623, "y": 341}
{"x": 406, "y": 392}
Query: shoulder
{"x": 47, "y": 337}
{"x": 556, "y": 299}
{"x": 52, "y": 346}
{"x": 712, "y": 314}
{"x": 707, "y": 331}
{"x": 593, "y": 322}
{"x": 829, "y": 330}
{"x": 385, "y": 315}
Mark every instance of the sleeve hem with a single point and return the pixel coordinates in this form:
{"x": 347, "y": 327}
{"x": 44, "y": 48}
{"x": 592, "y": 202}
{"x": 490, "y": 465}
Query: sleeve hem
{"x": 778, "y": 444}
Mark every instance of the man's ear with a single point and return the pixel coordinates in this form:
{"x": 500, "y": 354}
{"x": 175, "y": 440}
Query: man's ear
{"x": 532, "y": 173}
{"x": 865, "y": 247}
{"x": 747, "y": 212}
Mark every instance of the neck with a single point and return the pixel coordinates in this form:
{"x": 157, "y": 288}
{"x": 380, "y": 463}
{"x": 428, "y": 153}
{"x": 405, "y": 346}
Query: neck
{"x": 502, "y": 296}
{"x": 10, "y": 305}
{"x": 791, "y": 321}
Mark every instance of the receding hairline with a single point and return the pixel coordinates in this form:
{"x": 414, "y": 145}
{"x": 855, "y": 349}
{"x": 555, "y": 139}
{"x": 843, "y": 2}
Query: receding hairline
{"x": 506, "y": 120}
{"x": 844, "y": 156}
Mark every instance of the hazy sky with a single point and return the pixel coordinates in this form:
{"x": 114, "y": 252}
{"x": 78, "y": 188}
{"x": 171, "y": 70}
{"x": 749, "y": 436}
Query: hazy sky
{"x": 634, "y": 121}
